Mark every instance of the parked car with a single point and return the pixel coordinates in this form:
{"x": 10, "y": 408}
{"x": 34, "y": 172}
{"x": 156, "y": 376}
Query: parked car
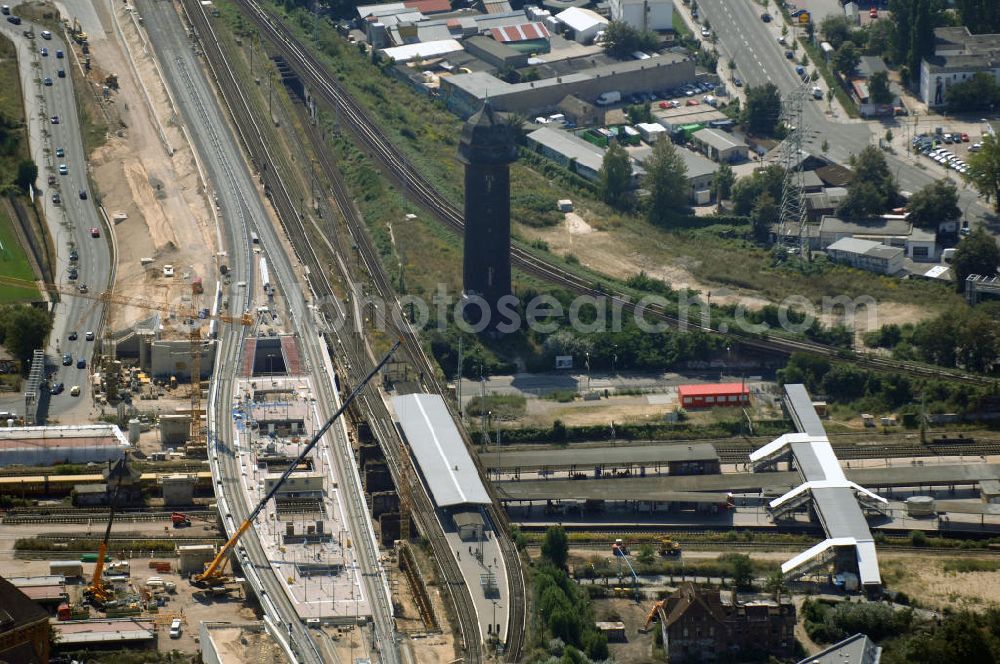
{"x": 83, "y": 194}
{"x": 57, "y": 388}
{"x": 73, "y": 336}
{"x": 175, "y": 628}
{"x": 44, "y": 52}
{"x": 765, "y": 17}
{"x": 81, "y": 363}
{"x": 63, "y": 169}
{"x": 62, "y": 73}
{"x": 47, "y": 81}
{"x": 55, "y": 119}
{"x": 90, "y": 335}
{"x": 75, "y": 390}
{"x": 16, "y": 20}
{"x": 56, "y": 198}
{"x": 789, "y": 55}
{"x": 95, "y": 232}
{"x": 59, "y": 54}
{"x": 67, "y": 359}
{"x": 873, "y": 13}
{"x": 60, "y": 153}
{"x": 965, "y": 137}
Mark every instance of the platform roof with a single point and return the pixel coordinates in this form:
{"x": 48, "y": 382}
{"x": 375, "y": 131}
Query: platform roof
{"x": 595, "y": 456}
{"x": 653, "y": 488}
{"x": 440, "y": 452}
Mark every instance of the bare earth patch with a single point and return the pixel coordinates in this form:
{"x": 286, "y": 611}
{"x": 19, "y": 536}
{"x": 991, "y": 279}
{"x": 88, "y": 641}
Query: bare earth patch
{"x": 156, "y": 199}
{"x": 936, "y": 588}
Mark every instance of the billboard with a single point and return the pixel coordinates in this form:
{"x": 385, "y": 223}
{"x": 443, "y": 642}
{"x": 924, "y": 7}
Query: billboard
{"x": 564, "y": 361}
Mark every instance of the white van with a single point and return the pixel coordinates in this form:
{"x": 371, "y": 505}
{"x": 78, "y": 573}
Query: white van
{"x": 175, "y": 628}
{"x": 46, "y": 34}
{"x": 817, "y": 92}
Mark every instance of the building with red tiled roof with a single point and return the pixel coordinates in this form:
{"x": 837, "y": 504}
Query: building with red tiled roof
{"x": 711, "y": 395}
{"x": 711, "y": 626}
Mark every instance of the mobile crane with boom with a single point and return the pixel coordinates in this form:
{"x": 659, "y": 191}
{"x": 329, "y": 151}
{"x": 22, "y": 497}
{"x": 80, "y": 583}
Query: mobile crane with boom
{"x": 97, "y": 593}
{"x": 214, "y": 574}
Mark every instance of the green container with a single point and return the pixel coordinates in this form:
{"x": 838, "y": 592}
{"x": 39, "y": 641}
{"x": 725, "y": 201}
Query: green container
{"x": 92, "y": 558}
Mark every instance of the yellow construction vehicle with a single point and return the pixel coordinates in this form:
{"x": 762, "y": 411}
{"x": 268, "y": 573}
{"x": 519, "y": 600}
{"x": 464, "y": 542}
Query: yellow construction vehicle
{"x": 652, "y": 616}
{"x": 214, "y": 574}
{"x": 79, "y": 36}
{"x": 98, "y": 593}
{"x": 668, "y": 547}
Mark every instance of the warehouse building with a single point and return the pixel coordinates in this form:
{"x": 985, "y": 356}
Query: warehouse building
{"x": 720, "y": 146}
{"x": 569, "y": 151}
{"x": 47, "y": 446}
{"x": 582, "y": 25}
{"x": 713, "y": 395}
{"x": 700, "y": 173}
{"x": 866, "y": 255}
{"x": 530, "y": 38}
{"x": 464, "y": 93}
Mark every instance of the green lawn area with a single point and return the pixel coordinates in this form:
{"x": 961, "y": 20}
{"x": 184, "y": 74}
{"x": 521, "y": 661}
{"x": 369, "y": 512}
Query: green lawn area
{"x": 680, "y": 27}
{"x": 13, "y": 263}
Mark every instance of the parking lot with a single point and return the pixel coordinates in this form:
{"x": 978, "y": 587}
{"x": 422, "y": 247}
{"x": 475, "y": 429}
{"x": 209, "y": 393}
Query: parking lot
{"x": 946, "y": 148}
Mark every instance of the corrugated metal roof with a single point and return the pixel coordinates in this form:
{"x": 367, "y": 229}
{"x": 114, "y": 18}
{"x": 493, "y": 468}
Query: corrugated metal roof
{"x": 522, "y": 32}
{"x": 439, "y": 450}
{"x": 422, "y": 50}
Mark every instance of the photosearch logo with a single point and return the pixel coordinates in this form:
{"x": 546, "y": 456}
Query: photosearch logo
{"x": 722, "y": 311}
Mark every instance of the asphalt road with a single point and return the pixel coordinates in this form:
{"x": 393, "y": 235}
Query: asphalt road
{"x": 242, "y": 212}
{"x": 69, "y": 223}
{"x": 759, "y": 58}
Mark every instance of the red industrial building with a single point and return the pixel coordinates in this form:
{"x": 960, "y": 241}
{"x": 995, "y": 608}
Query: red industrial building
{"x": 711, "y": 395}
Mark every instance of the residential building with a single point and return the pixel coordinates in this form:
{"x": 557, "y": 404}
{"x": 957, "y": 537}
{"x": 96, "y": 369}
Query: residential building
{"x": 958, "y": 55}
{"x": 581, "y": 24}
{"x": 720, "y": 146}
{"x": 24, "y": 627}
{"x": 857, "y": 649}
{"x": 715, "y": 626}
{"x": 711, "y": 395}
{"x": 866, "y": 255}
{"x": 644, "y": 14}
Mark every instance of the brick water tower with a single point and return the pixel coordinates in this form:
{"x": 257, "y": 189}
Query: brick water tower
{"x": 487, "y": 148}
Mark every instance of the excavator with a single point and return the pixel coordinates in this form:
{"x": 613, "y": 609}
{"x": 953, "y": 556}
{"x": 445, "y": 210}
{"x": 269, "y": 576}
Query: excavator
{"x": 214, "y": 575}
{"x": 98, "y": 593}
{"x": 652, "y": 616}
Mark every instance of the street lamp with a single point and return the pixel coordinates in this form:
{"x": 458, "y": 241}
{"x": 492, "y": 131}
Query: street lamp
{"x": 588, "y": 370}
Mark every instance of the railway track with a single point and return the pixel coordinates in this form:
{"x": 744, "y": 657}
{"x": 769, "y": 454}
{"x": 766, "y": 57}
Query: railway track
{"x": 725, "y": 547}
{"x": 30, "y": 515}
{"x": 291, "y": 219}
{"x": 399, "y": 167}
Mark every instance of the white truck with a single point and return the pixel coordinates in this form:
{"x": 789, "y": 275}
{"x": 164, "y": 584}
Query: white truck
{"x": 608, "y": 98}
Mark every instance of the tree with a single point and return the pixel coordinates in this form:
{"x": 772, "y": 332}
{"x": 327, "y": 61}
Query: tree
{"x": 835, "y": 29}
{"x": 723, "y": 181}
{"x": 555, "y": 546}
{"x": 24, "y": 329}
{"x": 621, "y": 40}
{"x": 847, "y": 58}
{"x": 765, "y": 213}
{"x": 615, "y": 175}
{"x": 825, "y": 145}
{"x": 978, "y": 93}
{"x": 984, "y": 170}
{"x": 933, "y": 204}
{"x": 667, "y": 183}
{"x": 27, "y": 173}
{"x": 982, "y": 16}
{"x": 740, "y": 568}
{"x": 878, "y": 88}
{"x": 872, "y": 189}
{"x": 763, "y": 109}
{"x": 770, "y": 179}
{"x": 646, "y": 554}
{"x": 976, "y": 254}
{"x": 775, "y": 584}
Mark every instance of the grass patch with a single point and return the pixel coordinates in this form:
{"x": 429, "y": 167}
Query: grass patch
{"x": 13, "y": 262}
{"x": 504, "y": 406}
{"x": 971, "y": 565}
{"x": 680, "y": 27}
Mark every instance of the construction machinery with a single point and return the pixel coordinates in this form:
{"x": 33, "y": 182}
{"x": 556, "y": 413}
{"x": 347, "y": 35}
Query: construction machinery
{"x": 79, "y": 36}
{"x": 619, "y": 548}
{"x": 214, "y": 574}
{"x": 652, "y": 616}
{"x": 98, "y": 593}
{"x": 668, "y": 547}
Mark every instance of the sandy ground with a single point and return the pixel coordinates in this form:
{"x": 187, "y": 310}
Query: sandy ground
{"x": 579, "y": 413}
{"x": 938, "y": 589}
{"x": 167, "y": 217}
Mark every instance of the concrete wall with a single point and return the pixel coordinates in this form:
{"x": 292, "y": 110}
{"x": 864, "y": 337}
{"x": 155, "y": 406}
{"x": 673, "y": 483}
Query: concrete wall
{"x": 178, "y": 490}
{"x": 173, "y": 358}
{"x": 174, "y": 429}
